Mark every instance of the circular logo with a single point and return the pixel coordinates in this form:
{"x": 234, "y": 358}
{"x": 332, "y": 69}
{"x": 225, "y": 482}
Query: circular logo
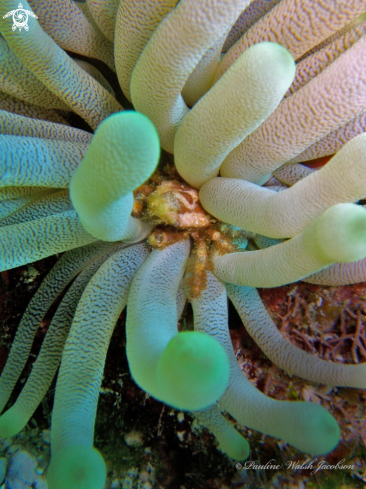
{"x": 20, "y": 18}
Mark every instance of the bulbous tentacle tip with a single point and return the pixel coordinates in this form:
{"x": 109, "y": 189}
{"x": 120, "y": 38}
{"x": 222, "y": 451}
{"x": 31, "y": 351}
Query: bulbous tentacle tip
{"x": 238, "y": 448}
{"x": 320, "y": 430}
{"x": 193, "y": 371}
{"x": 12, "y": 422}
{"x": 77, "y": 467}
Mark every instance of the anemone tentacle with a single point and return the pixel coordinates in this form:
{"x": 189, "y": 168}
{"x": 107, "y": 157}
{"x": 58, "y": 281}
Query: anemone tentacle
{"x": 13, "y": 105}
{"x": 313, "y": 65}
{"x": 104, "y": 13}
{"x": 334, "y": 140}
{"x": 290, "y": 134}
{"x": 16, "y": 80}
{"x": 340, "y": 274}
{"x": 71, "y": 30}
{"x": 200, "y": 371}
{"x": 86, "y": 92}
{"x": 250, "y": 15}
{"x": 18, "y": 125}
{"x": 224, "y": 117}
{"x": 295, "y": 24}
{"x": 40, "y": 207}
{"x": 292, "y": 173}
{"x": 80, "y": 375}
{"x": 313, "y": 430}
{"x": 135, "y": 23}
{"x": 281, "y": 352}
{"x": 17, "y": 203}
{"x": 102, "y": 196}
{"x": 156, "y": 92}
{"x": 338, "y": 235}
{"x": 166, "y": 53}
{"x": 63, "y": 231}
{"x": 14, "y": 192}
{"x": 336, "y": 35}
{"x": 230, "y": 440}
{"x": 96, "y": 74}
{"x": 28, "y": 161}
{"x": 45, "y": 367}
{"x": 287, "y": 213}
{"x": 199, "y": 81}
{"x": 61, "y": 274}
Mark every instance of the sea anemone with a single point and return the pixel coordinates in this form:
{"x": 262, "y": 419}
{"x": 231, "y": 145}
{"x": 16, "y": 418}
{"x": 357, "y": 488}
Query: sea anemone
{"x": 215, "y": 84}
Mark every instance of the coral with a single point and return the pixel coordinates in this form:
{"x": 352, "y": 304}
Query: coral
{"x": 241, "y": 124}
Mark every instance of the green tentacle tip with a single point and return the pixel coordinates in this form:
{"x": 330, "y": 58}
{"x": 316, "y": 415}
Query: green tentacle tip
{"x": 77, "y": 467}
{"x": 236, "y": 447}
{"x": 131, "y": 128}
{"x": 321, "y": 430}
{"x": 193, "y": 371}
{"x": 11, "y": 422}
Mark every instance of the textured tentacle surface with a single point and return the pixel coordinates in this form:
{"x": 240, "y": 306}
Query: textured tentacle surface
{"x": 249, "y": 16}
{"x": 246, "y": 403}
{"x": 230, "y": 440}
{"x": 340, "y": 274}
{"x": 18, "y": 125}
{"x": 11, "y": 205}
{"x": 37, "y": 162}
{"x": 297, "y": 25}
{"x": 166, "y": 54}
{"x": 69, "y": 27}
{"x": 61, "y": 274}
{"x": 104, "y": 13}
{"x": 136, "y": 22}
{"x": 199, "y": 373}
{"x": 226, "y": 115}
{"x": 314, "y": 64}
{"x": 86, "y": 97}
{"x": 16, "y": 80}
{"x": 289, "y": 174}
{"x": 45, "y": 367}
{"x": 287, "y": 213}
{"x": 168, "y": 60}
{"x": 285, "y": 355}
{"x": 42, "y": 207}
{"x": 302, "y": 119}
{"x": 14, "y": 192}
{"x": 334, "y": 140}
{"x": 102, "y": 195}
{"x": 264, "y": 242}
{"x": 16, "y": 106}
{"x": 81, "y": 369}
{"x": 31, "y": 241}
{"x": 199, "y": 81}
{"x": 95, "y": 73}
{"x": 336, "y": 35}
{"x": 338, "y": 235}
